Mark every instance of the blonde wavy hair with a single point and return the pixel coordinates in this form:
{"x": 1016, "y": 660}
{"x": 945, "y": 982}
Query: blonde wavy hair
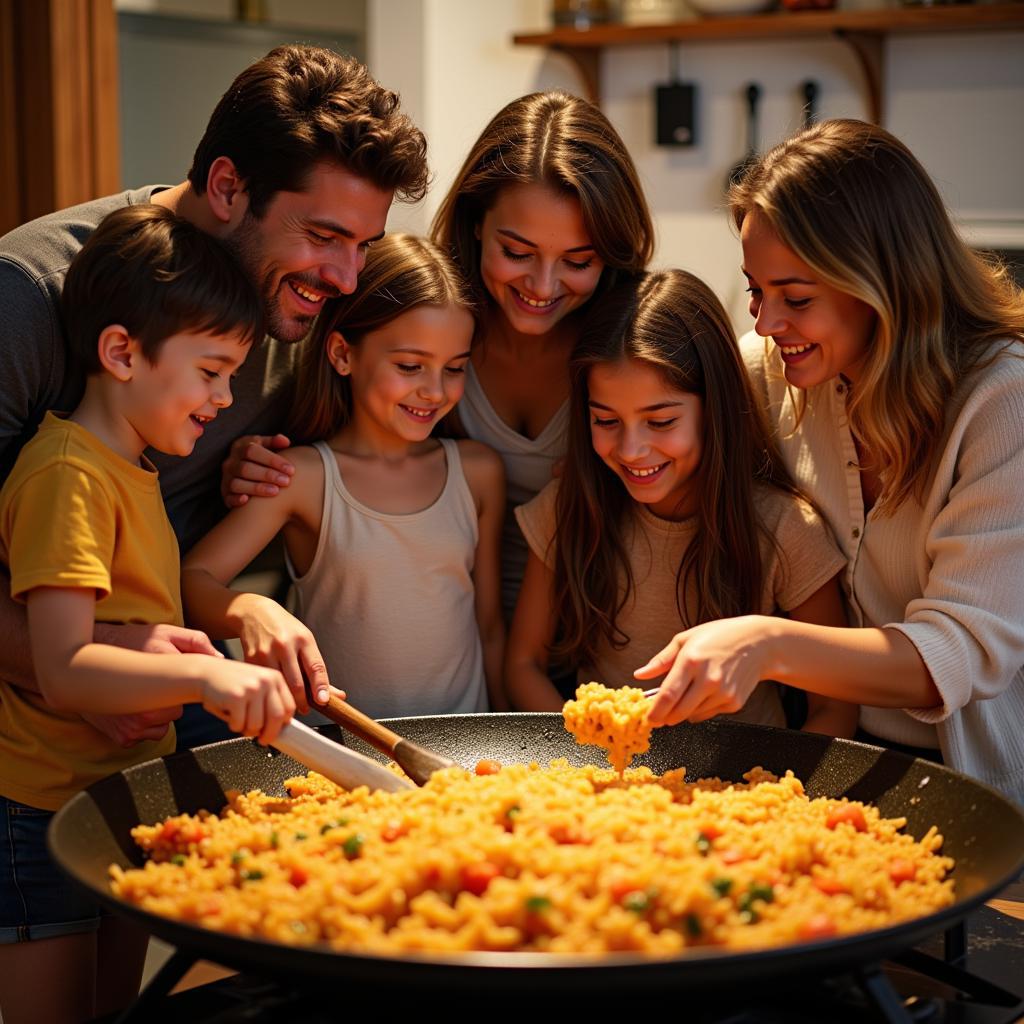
{"x": 855, "y": 205}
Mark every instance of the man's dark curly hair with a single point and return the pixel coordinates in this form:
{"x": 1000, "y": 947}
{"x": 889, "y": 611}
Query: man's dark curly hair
{"x": 299, "y": 106}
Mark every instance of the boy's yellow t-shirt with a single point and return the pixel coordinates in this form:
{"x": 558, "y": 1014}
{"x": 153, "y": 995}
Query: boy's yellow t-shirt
{"x": 73, "y": 513}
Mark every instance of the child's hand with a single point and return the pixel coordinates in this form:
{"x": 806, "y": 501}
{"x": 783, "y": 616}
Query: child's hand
{"x": 253, "y": 700}
{"x": 252, "y": 468}
{"x": 271, "y": 636}
{"x": 712, "y": 669}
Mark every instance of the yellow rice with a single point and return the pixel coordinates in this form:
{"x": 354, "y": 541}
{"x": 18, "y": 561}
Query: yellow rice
{"x": 555, "y": 859}
{"x": 613, "y": 719}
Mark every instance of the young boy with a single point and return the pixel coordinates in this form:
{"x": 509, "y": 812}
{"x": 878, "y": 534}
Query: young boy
{"x": 159, "y": 316}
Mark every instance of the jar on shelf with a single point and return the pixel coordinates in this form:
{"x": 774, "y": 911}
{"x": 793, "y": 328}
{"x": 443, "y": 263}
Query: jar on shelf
{"x": 579, "y": 13}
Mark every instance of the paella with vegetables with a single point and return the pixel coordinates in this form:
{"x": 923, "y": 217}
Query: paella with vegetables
{"x": 529, "y": 858}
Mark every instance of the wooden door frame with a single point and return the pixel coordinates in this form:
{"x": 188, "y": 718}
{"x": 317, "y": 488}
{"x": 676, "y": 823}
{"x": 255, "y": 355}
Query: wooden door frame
{"x": 59, "y": 117}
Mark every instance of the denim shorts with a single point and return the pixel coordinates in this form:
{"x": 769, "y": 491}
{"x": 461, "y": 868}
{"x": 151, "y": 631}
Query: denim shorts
{"x": 37, "y": 901}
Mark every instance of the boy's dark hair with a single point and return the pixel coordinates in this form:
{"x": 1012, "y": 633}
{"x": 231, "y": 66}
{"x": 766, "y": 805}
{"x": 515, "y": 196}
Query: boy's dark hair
{"x": 301, "y": 105}
{"x": 156, "y": 275}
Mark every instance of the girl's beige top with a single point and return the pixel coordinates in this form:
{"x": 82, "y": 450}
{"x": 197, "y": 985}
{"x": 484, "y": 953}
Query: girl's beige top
{"x": 655, "y": 548}
{"x": 390, "y": 599}
{"x": 945, "y": 570}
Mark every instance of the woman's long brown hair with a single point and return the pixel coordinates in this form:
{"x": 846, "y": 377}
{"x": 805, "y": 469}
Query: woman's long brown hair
{"x": 566, "y": 143}
{"x": 672, "y": 322}
{"x": 401, "y": 273}
{"x": 855, "y": 205}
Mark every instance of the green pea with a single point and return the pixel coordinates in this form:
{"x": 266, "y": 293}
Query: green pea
{"x": 638, "y": 902}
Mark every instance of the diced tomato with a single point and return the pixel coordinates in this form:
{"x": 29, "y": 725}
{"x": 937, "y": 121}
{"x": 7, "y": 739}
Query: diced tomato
{"x": 731, "y": 856}
{"x": 432, "y": 875}
{"x": 712, "y": 832}
{"x": 568, "y": 835}
{"x": 487, "y": 767}
{"x": 622, "y": 887}
{"x": 170, "y": 830}
{"x": 901, "y": 870}
{"x": 298, "y": 876}
{"x": 394, "y": 830}
{"x": 849, "y": 813}
{"x": 820, "y": 926}
{"x": 476, "y": 877}
{"x": 829, "y": 885}
{"x": 210, "y": 907}
{"x": 193, "y": 833}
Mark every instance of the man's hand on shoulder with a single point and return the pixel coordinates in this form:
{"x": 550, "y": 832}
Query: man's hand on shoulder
{"x": 253, "y": 468}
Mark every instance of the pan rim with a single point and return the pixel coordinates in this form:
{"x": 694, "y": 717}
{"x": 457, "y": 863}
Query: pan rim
{"x": 849, "y": 950}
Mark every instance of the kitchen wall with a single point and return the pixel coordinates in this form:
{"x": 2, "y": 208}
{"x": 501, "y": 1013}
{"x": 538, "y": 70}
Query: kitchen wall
{"x": 955, "y": 99}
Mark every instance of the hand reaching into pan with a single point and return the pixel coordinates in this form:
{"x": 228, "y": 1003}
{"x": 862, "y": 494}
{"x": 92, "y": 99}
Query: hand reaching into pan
{"x": 711, "y": 669}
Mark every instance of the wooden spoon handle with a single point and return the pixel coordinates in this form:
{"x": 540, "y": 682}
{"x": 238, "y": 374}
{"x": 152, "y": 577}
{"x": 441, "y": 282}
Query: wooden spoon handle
{"x": 417, "y": 762}
{"x": 367, "y": 729}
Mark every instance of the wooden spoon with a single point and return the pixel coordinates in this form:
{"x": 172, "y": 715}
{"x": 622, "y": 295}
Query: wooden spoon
{"x": 417, "y": 762}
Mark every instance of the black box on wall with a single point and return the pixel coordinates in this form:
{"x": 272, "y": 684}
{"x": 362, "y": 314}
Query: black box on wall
{"x": 676, "y": 109}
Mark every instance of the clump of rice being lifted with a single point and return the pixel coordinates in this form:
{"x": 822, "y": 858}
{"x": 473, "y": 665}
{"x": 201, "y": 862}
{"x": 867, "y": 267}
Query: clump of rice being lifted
{"x": 614, "y": 719}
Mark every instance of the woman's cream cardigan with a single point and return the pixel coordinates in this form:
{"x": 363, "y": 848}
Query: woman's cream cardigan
{"x": 948, "y": 570}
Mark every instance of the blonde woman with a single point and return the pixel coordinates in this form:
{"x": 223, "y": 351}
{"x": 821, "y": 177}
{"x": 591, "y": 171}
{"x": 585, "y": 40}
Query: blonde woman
{"x": 891, "y": 365}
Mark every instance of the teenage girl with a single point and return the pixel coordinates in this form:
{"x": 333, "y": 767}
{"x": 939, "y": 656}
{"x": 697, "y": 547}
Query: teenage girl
{"x": 672, "y": 508}
{"x": 890, "y": 365}
{"x": 392, "y": 535}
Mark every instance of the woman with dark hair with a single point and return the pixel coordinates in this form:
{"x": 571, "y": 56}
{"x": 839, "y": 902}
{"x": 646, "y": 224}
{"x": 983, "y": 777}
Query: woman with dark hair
{"x": 546, "y": 212}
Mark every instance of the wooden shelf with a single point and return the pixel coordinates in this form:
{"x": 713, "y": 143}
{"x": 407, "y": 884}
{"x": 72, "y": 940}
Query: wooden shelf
{"x": 864, "y": 31}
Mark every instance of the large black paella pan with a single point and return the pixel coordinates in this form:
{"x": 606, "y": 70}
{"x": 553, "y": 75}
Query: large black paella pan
{"x": 983, "y": 832}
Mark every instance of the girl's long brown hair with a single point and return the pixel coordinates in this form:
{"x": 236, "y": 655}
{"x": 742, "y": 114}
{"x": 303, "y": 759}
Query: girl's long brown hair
{"x": 672, "y": 322}
{"x": 855, "y": 205}
{"x": 401, "y": 273}
{"x": 566, "y": 143}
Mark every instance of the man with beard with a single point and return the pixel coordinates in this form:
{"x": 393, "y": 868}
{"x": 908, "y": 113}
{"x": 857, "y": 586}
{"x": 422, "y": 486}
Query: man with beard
{"x": 295, "y": 174}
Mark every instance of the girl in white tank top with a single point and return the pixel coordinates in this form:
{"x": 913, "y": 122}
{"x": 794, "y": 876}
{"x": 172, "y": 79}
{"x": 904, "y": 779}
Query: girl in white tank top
{"x": 392, "y": 536}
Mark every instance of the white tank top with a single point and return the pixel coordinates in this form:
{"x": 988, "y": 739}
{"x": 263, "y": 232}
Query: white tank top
{"x": 390, "y": 599}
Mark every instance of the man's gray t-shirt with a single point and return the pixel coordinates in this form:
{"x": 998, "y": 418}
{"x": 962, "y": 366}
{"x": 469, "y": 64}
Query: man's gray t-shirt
{"x": 35, "y": 377}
